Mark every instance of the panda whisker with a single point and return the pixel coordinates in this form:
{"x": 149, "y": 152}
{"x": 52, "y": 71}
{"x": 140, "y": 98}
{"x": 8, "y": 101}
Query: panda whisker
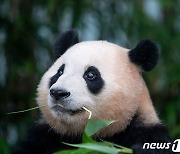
{"x": 60, "y": 105}
{"x": 51, "y": 128}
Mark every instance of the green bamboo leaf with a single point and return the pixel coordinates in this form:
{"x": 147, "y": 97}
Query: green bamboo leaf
{"x": 100, "y": 147}
{"x": 87, "y": 139}
{"x": 118, "y": 146}
{"x": 122, "y": 148}
{"x": 76, "y": 151}
{"x": 94, "y": 126}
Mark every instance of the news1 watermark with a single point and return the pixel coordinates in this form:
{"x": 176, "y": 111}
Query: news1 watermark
{"x": 175, "y": 146}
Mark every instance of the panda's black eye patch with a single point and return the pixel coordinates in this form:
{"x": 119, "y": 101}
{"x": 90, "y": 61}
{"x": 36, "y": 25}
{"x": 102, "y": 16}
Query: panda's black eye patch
{"x": 57, "y": 75}
{"x": 93, "y": 80}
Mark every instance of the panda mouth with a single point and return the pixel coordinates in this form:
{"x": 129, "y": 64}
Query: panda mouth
{"x": 61, "y": 109}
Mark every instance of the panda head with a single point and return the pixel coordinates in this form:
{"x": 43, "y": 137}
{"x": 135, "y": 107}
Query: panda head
{"x": 101, "y": 76}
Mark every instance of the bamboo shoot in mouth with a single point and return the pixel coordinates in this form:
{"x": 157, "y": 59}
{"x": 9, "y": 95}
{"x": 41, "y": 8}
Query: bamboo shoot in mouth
{"x": 90, "y": 113}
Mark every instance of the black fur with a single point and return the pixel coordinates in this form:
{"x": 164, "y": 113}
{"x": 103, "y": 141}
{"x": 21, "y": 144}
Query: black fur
{"x": 65, "y": 41}
{"x": 42, "y": 139}
{"x": 57, "y": 75}
{"x": 145, "y": 55}
{"x": 96, "y": 85}
{"x": 135, "y": 135}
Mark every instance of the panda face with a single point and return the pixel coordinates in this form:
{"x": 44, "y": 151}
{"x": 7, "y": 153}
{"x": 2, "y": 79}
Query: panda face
{"x": 79, "y": 80}
{"x": 95, "y": 74}
{"x": 101, "y": 76}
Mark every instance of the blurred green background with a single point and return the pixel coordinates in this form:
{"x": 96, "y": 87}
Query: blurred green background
{"x": 28, "y": 30}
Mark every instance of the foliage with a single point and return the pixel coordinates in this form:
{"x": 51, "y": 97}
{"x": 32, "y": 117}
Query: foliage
{"x": 28, "y": 30}
{"x": 90, "y": 146}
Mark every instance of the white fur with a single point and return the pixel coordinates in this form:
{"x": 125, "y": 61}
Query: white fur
{"x": 119, "y": 99}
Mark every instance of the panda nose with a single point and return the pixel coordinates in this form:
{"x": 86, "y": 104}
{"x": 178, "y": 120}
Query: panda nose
{"x": 58, "y": 94}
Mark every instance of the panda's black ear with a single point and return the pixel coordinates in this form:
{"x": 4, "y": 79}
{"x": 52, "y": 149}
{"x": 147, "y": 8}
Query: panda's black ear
{"x": 65, "y": 41}
{"x": 145, "y": 55}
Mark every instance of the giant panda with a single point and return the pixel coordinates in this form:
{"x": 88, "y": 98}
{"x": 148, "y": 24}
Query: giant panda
{"x": 106, "y": 79}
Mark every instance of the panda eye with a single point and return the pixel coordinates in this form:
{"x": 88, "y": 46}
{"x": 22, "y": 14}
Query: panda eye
{"x": 93, "y": 79}
{"x": 60, "y": 72}
{"x": 91, "y": 75}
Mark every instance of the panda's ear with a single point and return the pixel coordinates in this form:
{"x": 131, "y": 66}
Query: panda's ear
{"x": 145, "y": 55}
{"x": 65, "y": 41}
